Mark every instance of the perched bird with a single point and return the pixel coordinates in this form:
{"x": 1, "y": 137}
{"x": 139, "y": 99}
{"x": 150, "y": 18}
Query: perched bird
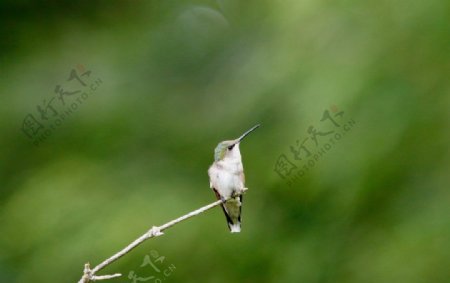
{"x": 226, "y": 178}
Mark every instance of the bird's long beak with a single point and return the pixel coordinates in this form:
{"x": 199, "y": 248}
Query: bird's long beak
{"x": 246, "y": 133}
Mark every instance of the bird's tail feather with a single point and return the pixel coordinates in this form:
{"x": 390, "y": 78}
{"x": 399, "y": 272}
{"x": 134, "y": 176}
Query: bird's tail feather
{"x": 235, "y": 228}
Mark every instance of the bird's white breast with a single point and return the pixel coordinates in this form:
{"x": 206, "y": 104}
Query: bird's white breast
{"x": 225, "y": 177}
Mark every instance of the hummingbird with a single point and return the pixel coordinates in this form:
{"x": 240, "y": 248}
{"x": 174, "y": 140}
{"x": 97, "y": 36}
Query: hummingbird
{"x": 226, "y": 179}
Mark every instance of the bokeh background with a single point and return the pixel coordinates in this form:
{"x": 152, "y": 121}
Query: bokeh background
{"x": 176, "y": 78}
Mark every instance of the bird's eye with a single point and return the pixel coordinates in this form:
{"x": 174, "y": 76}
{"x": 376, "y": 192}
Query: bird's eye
{"x": 230, "y": 147}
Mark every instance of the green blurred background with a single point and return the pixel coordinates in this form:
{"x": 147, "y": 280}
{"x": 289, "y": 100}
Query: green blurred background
{"x": 180, "y": 76}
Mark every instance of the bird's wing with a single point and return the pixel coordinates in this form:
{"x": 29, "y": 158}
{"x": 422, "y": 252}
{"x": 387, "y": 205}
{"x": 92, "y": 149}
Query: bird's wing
{"x": 225, "y": 211}
{"x": 213, "y": 183}
{"x": 240, "y": 208}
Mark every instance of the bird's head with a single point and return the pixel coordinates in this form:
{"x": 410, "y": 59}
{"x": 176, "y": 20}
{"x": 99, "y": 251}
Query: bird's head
{"x": 230, "y": 149}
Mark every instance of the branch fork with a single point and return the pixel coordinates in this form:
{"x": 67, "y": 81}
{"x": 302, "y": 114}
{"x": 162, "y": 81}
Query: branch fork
{"x": 155, "y": 231}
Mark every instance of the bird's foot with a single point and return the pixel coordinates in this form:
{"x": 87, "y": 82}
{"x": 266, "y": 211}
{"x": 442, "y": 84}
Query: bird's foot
{"x": 239, "y": 192}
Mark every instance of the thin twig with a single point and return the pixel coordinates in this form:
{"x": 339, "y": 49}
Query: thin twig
{"x": 89, "y": 274}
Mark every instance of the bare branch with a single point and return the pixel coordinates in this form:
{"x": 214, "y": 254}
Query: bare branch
{"x": 89, "y": 274}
